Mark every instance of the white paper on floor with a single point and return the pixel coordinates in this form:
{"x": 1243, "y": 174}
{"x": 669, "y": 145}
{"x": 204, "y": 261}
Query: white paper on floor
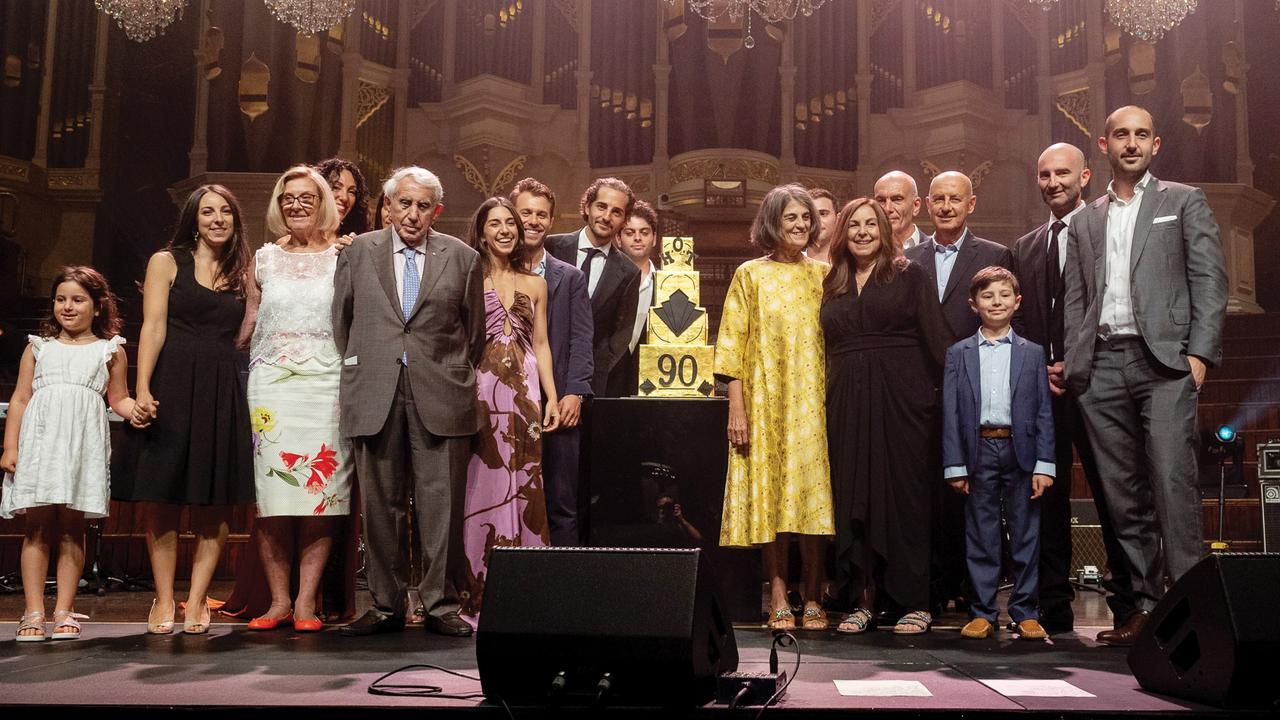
{"x": 882, "y": 688}
{"x": 1035, "y": 688}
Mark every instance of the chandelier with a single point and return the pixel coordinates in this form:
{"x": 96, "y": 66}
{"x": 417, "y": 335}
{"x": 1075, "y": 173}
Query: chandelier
{"x": 142, "y": 20}
{"x": 1149, "y": 19}
{"x": 773, "y": 11}
{"x": 311, "y": 16}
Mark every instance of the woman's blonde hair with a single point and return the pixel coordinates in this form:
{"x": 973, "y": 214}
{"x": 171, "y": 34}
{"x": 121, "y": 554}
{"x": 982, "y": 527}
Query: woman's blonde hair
{"x": 327, "y": 217}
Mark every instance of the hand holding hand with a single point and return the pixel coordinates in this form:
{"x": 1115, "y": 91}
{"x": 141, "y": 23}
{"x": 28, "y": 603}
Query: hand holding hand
{"x": 551, "y": 418}
{"x": 1040, "y": 483}
{"x": 570, "y": 410}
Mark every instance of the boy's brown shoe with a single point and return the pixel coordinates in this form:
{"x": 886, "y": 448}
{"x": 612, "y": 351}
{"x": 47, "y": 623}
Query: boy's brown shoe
{"x": 978, "y": 628}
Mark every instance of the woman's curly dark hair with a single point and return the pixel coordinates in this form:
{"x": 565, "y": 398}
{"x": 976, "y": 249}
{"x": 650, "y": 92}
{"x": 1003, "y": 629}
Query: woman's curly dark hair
{"x": 357, "y": 219}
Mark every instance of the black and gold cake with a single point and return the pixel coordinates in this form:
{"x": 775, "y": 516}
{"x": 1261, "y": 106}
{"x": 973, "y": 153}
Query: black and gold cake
{"x": 676, "y": 360}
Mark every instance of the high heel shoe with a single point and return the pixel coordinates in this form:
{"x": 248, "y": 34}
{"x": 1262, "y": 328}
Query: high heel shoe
{"x": 163, "y": 627}
{"x": 197, "y": 628}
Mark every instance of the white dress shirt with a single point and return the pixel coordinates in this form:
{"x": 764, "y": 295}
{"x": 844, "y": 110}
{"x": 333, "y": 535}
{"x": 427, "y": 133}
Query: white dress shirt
{"x": 643, "y": 304}
{"x": 916, "y": 237}
{"x": 398, "y": 249}
{"x": 597, "y": 262}
{"x": 1117, "y": 301}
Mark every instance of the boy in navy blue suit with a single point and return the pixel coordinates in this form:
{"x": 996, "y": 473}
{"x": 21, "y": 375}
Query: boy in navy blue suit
{"x": 998, "y": 448}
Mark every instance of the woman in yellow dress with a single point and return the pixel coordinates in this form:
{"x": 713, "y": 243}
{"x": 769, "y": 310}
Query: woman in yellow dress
{"x": 769, "y": 350}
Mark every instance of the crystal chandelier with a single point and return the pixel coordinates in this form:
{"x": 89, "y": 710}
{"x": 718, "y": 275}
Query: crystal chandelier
{"x": 773, "y": 11}
{"x": 311, "y": 16}
{"x": 1044, "y": 4}
{"x": 1149, "y": 19}
{"x": 142, "y": 20}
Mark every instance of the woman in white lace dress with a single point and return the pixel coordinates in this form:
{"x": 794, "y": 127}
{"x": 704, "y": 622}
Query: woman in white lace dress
{"x": 302, "y": 466}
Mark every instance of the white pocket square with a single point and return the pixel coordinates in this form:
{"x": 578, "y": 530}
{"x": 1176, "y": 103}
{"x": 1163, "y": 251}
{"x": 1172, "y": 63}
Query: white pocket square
{"x": 353, "y": 360}
{"x": 1164, "y": 218}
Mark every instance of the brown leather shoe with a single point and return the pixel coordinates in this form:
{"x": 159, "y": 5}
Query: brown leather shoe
{"x": 1030, "y": 629}
{"x": 1124, "y": 635}
{"x": 978, "y": 629}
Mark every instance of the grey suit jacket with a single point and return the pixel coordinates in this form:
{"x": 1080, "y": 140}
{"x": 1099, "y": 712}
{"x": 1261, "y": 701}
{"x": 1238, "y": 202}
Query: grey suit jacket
{"x": 974, "y": 254}
{"x": 1177, "y": 276}
{"x": 443, "y": 337}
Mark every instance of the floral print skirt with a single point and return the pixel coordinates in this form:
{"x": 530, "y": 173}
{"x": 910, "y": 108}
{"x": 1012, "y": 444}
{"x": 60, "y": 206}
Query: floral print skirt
{"x": 302, "y": 466}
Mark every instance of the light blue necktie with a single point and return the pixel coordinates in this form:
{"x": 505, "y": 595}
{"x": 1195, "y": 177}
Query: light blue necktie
{"x": 945, "y": 259}
{"x": 410, "y": 295}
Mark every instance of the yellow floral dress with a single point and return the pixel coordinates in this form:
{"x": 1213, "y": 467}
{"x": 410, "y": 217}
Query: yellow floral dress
{"x": 771, "y": 340}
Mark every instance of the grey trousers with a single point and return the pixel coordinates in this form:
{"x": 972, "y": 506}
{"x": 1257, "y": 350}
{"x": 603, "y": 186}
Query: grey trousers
{"x": 405, "y": 457}
{"x": 1141, "y": 420}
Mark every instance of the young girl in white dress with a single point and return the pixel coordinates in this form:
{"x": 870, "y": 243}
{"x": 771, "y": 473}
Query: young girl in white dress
{"x": 56, "y": 458}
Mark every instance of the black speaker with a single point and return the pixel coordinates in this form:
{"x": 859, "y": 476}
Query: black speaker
{"x": 1215, "y": 635}
{"x": 615, "y": 626}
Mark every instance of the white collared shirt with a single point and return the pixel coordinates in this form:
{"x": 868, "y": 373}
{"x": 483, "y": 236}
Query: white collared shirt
{"x": 916, "y": 237}
{"x": 643, "y": 303}
{"x": 1117, "y": 317}
{"x": 1062, "y": 236}
{"x": 597, "y": 263}
{"x": 397, "y": 259}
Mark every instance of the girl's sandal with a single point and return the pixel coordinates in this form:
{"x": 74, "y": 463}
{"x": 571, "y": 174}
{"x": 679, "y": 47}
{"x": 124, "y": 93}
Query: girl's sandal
{"x": 814, "y": 619}
{"x": 66, "y": 624}
{"x": 31, "y": 621}
{"x": 858, "y": 621}
{"x": 916, "y": 622}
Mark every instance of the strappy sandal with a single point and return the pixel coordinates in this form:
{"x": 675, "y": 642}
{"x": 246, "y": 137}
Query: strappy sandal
{"x": 814, "y": 618}
{"x": 782, "y": 619}
{"x": 163, "y": 627}
{"x": 67, "y": 619}
{"x": 917, "y": 622}
{"x": 31, "y": 621}
{"x": 201, "y": 626}
{"x": 858, "y": 621}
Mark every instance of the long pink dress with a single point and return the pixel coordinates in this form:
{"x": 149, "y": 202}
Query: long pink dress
{"x": 505, "y": 505}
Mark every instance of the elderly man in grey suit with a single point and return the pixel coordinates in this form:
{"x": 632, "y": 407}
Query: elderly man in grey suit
{"x": 1144, "y": 305}
{"x": 408, "y": 319}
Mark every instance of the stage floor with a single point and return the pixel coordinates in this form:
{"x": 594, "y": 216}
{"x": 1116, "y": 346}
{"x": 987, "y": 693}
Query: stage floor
{"x": 118, "y": 668}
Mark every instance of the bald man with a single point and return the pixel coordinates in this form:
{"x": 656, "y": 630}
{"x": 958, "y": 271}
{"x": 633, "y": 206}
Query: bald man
{"x": 1038, "y": 259}
{"x": 951, "y": 258}
{"x": 1144, "y": 306}
{"x": 896, "y": 192}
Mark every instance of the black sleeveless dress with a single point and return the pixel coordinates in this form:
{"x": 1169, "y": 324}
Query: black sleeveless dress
{"x": 199, "y": 449}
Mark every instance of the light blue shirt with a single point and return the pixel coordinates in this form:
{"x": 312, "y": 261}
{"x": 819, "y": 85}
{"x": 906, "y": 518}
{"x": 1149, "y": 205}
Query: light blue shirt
{"x": 944, "y": 259}
{"x": 994, "y": 359}
{"x": 541, "y": 268}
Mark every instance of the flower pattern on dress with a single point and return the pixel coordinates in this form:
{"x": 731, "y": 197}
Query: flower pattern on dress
{"x": 316, "y": 468}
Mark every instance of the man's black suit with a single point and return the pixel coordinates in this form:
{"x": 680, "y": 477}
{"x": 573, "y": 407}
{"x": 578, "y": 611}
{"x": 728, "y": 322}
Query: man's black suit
{"x": 613, "y": 306}
{"x": 949, "y": 570}
{"x": 1040, "y": 320}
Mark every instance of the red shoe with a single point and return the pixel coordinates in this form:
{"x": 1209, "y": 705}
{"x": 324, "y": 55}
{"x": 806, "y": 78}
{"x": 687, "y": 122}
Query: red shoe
{"x": 268, "y": 623}
{"x": 308, "y": 626}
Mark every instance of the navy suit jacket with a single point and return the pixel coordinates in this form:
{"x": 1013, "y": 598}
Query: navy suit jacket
{"x": 569, "y": 328}
{"x": 1030, "y": 411}
{"x": 613, "y": 307}
{"x": 974, "y": 254}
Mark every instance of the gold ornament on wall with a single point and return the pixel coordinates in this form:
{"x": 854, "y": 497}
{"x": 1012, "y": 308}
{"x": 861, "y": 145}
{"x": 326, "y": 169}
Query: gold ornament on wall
{"x": 255, "y": 76}
{"x": 12, "y": 71}
{"x": 307, "y": 48}
{"x": 478, "y": 178}
{"x": 1197, "y": 100}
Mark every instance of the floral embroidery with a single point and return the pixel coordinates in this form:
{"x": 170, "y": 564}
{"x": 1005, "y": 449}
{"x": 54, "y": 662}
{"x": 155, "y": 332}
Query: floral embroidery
{"x": 318, "y": 470}
{"x": 262, "y": 421}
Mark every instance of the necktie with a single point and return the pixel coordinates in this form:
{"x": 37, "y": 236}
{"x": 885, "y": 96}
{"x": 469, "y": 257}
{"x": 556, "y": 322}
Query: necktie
{"x": 587, "y": 265}
{"x": 1053, "y": 274}
{"x": 409, "y": 296}
{"x": 944, "y": 249}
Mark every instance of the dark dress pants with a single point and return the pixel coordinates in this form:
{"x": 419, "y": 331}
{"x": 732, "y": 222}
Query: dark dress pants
{"x": 998, "y": 483}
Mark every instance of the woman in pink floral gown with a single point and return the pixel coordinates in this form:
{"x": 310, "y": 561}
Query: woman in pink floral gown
{"x": 505, "y": 505}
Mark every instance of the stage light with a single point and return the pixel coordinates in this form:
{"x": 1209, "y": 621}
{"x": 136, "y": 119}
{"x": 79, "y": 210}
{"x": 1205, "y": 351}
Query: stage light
{"x": 1225, "y": 434}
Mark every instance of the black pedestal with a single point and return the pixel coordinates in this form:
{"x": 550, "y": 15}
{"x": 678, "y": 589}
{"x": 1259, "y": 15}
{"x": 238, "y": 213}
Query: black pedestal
{"x": 649, "y": 455}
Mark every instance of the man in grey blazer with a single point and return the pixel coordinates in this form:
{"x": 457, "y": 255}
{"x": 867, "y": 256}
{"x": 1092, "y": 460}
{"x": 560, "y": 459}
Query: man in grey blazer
{"x": 1144, "y": 305}
{"x": 408, "y": 319}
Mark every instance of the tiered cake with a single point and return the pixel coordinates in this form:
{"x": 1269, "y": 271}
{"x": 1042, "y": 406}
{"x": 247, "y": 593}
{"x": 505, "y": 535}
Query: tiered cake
{"x": 676, "y": 361}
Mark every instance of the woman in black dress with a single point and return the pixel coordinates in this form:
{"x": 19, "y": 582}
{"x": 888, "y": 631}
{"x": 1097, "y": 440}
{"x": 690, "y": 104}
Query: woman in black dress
{"x": 885, "y": 340}
{"x": 197, "y": 452}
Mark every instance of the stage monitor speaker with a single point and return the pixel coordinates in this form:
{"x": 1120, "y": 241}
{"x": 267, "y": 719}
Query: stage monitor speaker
{"x": 615, "y": 626}
{"x": 1215, "y": 635}
{"x": 1269, "y": 492}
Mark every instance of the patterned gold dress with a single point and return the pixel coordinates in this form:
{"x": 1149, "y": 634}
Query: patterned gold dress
{"x": 771, "y": 340}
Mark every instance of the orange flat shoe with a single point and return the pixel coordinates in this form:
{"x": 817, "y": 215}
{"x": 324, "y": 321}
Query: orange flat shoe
{"x": 269, "y": 623}
{"x": 308, "y": 626}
